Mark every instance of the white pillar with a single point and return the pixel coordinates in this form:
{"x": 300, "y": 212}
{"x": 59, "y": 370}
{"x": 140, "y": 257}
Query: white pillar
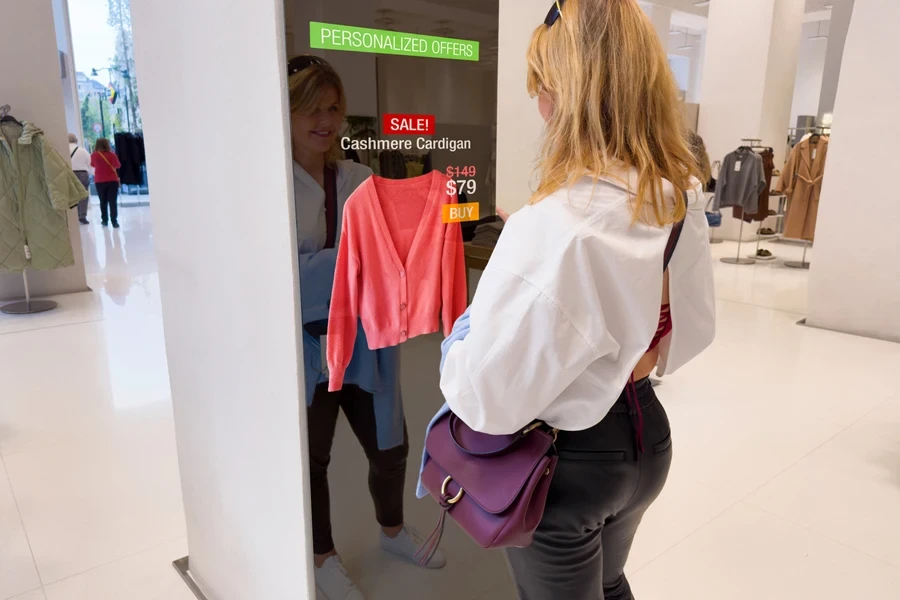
{"x": 31, "y": 83}
{"x": 854, "y": 283}
{"x": 697, "y": 61}
{"x": 748, "y": 82}
{"x": 661, "y": 17}
{"x": 837, "y": 36}
{"x": 226, "y": 244}
{"x": 519, "y": 124}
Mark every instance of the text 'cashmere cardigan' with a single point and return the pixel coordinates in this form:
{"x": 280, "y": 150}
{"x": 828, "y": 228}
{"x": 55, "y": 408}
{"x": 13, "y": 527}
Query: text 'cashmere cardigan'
{"x": 399, "y": 267}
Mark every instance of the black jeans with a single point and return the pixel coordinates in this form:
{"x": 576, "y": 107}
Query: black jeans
{"x": 108, "y": 191}
{"x": 599, "y": 494}
{"x": 387, "y": 468}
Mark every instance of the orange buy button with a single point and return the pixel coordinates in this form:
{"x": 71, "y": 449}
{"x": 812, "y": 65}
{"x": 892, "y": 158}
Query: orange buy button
{"x": 457, "y": 213}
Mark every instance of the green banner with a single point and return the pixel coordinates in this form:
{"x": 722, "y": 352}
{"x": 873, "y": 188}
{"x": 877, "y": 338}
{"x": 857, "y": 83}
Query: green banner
{"x": 326, "y": 36}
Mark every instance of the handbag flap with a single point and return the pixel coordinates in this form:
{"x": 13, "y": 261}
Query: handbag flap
{"x": 493, "y": 482}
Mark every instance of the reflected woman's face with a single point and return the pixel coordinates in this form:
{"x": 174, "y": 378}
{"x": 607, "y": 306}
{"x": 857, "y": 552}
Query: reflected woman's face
{"x": 317, "y": 132}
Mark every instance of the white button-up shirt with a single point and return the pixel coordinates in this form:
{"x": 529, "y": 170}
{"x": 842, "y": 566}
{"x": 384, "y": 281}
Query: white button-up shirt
{"x": 570, "y": 302}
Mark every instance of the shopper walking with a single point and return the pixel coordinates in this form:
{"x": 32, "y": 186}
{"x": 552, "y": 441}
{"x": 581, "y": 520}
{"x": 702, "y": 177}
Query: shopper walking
{"x": 106, "y": 179}
{"x": 370, "y": 398}
{"x": 574, "y": 310}
{"x": 81, "y": 165}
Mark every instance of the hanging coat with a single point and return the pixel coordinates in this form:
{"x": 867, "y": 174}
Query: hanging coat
{"x": 801, "y": 180}
{"x": 37, "y": 187}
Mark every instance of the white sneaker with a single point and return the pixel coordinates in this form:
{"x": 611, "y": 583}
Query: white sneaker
{"x": 334, "y": 582}
{"x": 407, "y": 544}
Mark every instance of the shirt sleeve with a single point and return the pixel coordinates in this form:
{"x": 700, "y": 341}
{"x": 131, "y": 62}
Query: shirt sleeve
{"x": 522, "y": 352}
{"x": 454, "y": 295}
{"x": 344, "y": 311}
{"x": 115, "y": 161}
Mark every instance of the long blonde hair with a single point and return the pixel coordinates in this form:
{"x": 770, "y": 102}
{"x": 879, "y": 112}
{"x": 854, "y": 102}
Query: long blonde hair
{"x": 306, "y": 89}
{"x": 615, "y": 103}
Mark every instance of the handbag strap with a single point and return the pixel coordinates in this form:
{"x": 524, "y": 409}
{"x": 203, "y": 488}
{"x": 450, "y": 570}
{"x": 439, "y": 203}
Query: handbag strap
{"x": 73, "y": 152}
{"x": 455, "y": 423}
{"x": 110, "y": 165}
{"x": 674, "y": 236}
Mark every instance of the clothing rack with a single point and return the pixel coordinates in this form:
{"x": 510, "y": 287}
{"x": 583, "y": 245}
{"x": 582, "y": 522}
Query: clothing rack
{"x": 803, "y": 263}
{"x": 753, "y": 144}
{"x": 28, "y": 306}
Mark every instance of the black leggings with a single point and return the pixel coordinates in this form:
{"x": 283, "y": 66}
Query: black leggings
{"x": 108, "y": 191}
{"x": 599, "y": 494}
{"x": 387, "y": 468}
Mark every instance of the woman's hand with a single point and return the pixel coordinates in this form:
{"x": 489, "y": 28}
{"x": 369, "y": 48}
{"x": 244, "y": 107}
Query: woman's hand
{"x": 502, "y": 214}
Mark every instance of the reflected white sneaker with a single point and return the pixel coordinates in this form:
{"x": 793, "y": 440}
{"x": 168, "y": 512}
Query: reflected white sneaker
{"x": 334, "y": 582}
{"x": 407, "y": 543}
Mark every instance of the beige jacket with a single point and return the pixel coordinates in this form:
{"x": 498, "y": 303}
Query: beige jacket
{"x": 801, "y": 180}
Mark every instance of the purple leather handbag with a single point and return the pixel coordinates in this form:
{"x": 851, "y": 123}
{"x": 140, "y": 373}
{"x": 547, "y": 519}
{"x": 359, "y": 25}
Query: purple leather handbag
{"x": 494, "y": 486}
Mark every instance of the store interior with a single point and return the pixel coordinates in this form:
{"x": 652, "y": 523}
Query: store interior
{"x": 175, "y": 426}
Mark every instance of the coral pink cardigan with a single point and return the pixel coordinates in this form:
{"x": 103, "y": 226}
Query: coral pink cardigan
{"x": 399, "y": 267}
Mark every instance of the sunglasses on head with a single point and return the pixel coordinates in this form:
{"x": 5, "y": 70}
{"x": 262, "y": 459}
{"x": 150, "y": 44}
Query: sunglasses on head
{"x": 555, "y": 13}
{"x": 299, "y": 63}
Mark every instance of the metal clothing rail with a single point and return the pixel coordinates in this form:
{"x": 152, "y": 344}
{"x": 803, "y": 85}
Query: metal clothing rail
{"x": 753, "y": 144}
{"x": 28, "y": 306}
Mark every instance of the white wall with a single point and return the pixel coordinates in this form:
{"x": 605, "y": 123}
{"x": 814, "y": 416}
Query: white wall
{"x": 519, "y": 125}
{"x": 690, "y": 79}
{"x": 31, "y": 84}
{"x": 854, "y": 283}
{"x": 225, "y": 241}
{"x": 810, "y": 69}
{"x": 838, "y": 25}
{"x": 69, "y": 85}
{"x": 784, "y": 45}
{"x": 749, "y": 72}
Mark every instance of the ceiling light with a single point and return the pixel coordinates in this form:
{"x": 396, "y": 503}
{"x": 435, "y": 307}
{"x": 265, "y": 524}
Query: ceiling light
{"x": 674, "y": 32}
{"x": 701, "y": 4}
{"x": 829, "y": 6}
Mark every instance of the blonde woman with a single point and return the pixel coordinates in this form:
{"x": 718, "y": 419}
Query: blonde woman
{"x": 370, "y": 398}
{"x": 575, "y": 309}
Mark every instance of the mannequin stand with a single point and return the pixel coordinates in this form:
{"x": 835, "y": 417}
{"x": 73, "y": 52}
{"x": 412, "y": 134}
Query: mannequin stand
{"x": 738, "y": 260}
{"x": 803, "y": 264}
{"x": 29, "y": 306}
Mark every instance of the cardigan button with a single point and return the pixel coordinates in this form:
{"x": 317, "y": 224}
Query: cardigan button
{"x": 402, "y": 307}
{"x": 402, "y": 273}
{"x": 403, "y": 333}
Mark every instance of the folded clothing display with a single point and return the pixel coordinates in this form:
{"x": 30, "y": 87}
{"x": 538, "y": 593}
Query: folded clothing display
{"x": 400, "y": 268}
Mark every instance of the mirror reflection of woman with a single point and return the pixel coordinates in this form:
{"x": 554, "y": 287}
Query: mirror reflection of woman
{"x": 370, "y": 398}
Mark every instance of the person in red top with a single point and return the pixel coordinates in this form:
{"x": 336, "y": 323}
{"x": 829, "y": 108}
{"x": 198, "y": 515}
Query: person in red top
{"x": 106, "y": 179}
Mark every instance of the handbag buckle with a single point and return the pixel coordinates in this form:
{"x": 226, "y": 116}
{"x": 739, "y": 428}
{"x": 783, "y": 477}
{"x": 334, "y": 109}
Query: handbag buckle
{"x": 457, "y": 498}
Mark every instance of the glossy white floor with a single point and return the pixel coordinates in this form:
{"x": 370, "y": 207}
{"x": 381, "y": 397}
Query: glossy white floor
{"x": 785, "y": 483}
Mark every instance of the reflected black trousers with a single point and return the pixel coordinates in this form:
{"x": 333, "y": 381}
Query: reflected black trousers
{"x": 387, "y": 468}
{"x": 600, "y": 491}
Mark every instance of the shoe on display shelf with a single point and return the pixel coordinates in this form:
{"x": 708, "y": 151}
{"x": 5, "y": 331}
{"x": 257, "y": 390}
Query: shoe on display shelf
{"x": 407, "y": 544}
{"x": 333, "y": 582}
